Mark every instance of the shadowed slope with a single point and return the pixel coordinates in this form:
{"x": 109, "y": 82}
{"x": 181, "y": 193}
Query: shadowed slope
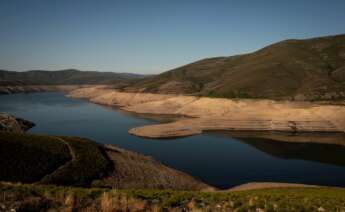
{"x": 28, "y": 158}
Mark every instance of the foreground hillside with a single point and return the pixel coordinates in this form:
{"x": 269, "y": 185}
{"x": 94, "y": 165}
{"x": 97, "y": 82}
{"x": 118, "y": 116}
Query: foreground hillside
{"x": 42, "y": 198}
{"x": 76, "y": 161}
{"x": 312, "y": 69}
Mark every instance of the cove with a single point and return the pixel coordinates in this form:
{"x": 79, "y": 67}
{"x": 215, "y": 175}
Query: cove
{"x": 215, "y": 158}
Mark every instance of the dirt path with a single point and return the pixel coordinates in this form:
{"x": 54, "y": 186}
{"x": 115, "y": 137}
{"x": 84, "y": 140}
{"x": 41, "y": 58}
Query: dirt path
{"x": 71, "y": 152}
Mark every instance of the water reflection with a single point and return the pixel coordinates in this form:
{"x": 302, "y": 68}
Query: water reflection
{"x": 222, "y": 160}
{"x": 306, "y": 146}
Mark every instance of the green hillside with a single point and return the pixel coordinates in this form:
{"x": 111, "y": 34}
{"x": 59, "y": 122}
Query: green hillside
{"x": 89, "y": 162}
{"x": 311, "y": 69}
{"x": 50, "y": 160}
{"x": 63, "y": 77}
{"x": 27, "y": 158}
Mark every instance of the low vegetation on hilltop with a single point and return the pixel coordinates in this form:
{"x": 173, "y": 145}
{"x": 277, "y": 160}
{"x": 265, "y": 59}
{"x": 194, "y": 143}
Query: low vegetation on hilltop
{"x": 50, "y": 160}
{"x": 88, "y": 162}
{"x": 28, "y": 158}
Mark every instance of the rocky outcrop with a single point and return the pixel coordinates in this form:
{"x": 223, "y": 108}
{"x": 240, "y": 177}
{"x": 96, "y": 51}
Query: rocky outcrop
{"x": 220, "y": 114}
{"x": 10, "y": 123}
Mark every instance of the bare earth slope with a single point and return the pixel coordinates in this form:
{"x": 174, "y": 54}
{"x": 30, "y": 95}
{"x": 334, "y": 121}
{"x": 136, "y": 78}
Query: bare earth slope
{"x": 220, "y": 114}
{"x": 312, "y": 69}
{"x": 136, "y": 171}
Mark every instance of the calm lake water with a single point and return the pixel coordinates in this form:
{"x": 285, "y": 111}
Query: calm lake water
{"x": 216, "y": 159}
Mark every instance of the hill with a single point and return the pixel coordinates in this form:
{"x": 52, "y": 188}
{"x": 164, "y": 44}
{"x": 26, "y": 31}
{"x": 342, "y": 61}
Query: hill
{"x": 50, "y": 160}
{"x": 76, "y": 161}
{"x": 311, "y": 69}
{"x": 63, "y": 77}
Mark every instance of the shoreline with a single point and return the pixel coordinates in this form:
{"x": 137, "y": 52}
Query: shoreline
{"x": 203, "y": 114}
{"x": 246, "y": 186}
{"x": 271, "y": 185}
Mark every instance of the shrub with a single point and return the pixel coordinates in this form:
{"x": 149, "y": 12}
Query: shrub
{"x": 27, "y": 158}
{"x": 89, "y": 163}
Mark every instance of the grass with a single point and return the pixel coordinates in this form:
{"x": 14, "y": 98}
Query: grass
{"x": 27, "y": 158}
{"x": 50, "y": 160}
{"x": 288, "y": 199}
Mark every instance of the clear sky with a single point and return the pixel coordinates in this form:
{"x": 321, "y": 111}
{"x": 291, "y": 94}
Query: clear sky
{"x": 151, "y": 36}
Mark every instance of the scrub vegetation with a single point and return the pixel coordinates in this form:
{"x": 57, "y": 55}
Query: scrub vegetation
{"x": 50, "y": 160}
{"x": 89, "y": 162}
{"x": 39, "y": 197}
{"x": 311, "y": 69}
{"x": 27, "y": 158}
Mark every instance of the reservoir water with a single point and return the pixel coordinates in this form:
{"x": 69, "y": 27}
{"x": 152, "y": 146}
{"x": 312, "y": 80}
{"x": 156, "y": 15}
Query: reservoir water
{"x": 216, "y": 159}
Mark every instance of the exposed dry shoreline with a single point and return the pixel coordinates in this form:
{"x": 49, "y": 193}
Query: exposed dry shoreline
{"x": 266, "y": 185}
{"x": 207, "y": 114}
{"x": 202, "y": 114}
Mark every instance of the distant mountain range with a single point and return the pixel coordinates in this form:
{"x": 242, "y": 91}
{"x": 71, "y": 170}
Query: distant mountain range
{"x": 64, "y": 77}
{"x": 312, "y": 69}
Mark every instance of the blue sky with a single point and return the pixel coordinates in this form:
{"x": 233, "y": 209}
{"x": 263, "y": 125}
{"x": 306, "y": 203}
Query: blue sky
{"x": 151, "y": 36}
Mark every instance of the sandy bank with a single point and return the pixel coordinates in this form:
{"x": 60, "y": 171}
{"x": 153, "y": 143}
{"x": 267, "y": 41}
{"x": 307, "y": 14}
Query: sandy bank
{"x": 267, "y": 185}
{"x": 220, "y": 114}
